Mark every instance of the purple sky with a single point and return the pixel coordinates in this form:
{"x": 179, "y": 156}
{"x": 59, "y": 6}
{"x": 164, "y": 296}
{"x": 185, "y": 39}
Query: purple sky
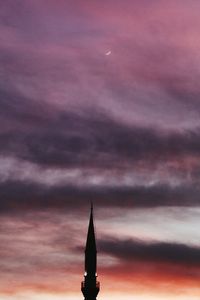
{"x": 99, "y": 100}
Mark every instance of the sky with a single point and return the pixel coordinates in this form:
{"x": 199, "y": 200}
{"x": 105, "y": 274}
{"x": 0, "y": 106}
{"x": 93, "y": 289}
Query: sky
{"x": 100, "y": 101}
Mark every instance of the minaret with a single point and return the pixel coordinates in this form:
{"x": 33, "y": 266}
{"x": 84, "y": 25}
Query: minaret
{"x": 90, "y": 286}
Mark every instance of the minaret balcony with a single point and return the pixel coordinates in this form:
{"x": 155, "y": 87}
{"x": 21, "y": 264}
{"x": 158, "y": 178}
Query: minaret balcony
{"x": 84, "y": 284}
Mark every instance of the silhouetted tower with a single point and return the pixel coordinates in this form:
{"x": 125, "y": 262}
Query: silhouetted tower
{"x": 90, "y": 286}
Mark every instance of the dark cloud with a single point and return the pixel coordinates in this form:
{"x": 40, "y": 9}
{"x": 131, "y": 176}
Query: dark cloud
{"x": 133, "y": 250}
{"x": 52, "y": 137}
{"x": 19, "y": 196}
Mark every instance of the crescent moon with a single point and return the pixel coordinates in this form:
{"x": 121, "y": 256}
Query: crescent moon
{"x": 108, "y": 52}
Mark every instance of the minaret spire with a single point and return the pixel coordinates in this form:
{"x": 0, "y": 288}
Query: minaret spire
{"x": 90, "y": 285}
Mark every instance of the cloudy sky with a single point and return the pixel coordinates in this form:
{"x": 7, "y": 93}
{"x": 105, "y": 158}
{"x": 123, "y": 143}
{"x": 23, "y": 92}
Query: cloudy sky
{"x": 100, "y": 101}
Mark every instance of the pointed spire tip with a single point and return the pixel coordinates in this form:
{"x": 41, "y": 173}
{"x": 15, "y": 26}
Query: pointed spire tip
{"x": 91, "y": 206}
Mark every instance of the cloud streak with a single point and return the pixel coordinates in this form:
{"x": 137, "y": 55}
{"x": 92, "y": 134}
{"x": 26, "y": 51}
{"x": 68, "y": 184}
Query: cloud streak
{"x": 16, "y": 196}
{"x": 134, "y": 250}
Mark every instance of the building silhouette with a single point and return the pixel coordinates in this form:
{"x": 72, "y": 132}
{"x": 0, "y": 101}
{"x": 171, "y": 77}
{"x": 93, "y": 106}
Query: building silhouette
{"x": 90, "y": 286}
